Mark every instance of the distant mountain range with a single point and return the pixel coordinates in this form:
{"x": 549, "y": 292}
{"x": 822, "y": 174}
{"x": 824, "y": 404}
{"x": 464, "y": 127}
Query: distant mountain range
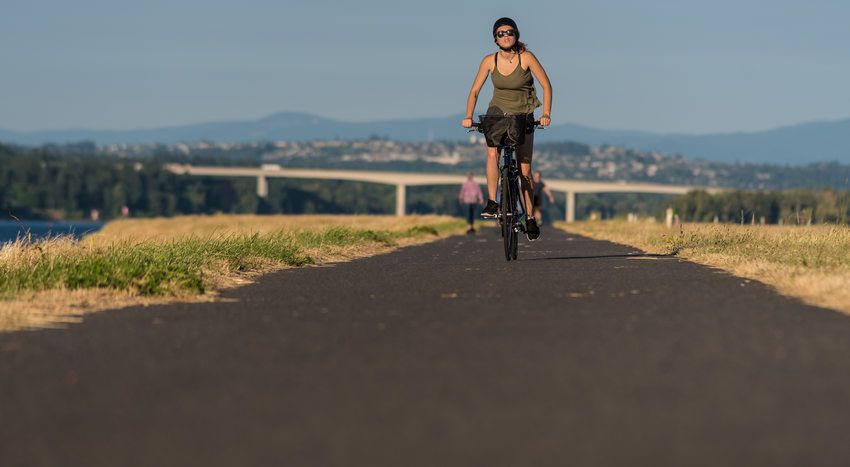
{"x": 798, "y": 144}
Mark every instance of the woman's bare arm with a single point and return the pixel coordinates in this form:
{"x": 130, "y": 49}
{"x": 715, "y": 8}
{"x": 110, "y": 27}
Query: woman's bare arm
{"x": 477, "y": 84}
{"x": 539, "y": 73}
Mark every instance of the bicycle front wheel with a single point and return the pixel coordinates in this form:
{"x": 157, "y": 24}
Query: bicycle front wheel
{"x": 515, "y": 195}
{"x": 507, "y": 213}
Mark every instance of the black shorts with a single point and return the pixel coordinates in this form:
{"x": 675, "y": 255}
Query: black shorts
{"x": 493, "y": 110}
{"x": 495, "y": 132}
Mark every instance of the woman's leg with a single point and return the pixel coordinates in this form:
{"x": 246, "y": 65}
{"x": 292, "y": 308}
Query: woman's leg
{"x": 524, "y": 153}
{"x": 492, "y": 172}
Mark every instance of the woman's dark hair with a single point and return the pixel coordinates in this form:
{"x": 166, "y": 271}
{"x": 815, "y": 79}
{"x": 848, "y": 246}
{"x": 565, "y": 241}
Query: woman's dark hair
{"x": 518, "y": 46}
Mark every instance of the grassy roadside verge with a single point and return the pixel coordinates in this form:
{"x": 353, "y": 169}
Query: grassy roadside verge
{"x": 811, "y": 263}
{"x": 184, "y": 258}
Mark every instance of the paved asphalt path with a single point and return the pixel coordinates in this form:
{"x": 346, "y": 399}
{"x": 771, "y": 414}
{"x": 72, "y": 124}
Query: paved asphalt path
{"x": 583, "y": 353}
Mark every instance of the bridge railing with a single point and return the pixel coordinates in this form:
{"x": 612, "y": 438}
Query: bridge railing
{"x": 401, "y": 180}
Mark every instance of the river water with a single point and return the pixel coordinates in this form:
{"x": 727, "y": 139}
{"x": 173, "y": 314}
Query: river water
{"x": 10, "y": 230}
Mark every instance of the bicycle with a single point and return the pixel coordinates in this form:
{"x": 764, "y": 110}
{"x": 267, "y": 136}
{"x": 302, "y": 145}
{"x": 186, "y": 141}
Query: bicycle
{"x": 511, "y": 214}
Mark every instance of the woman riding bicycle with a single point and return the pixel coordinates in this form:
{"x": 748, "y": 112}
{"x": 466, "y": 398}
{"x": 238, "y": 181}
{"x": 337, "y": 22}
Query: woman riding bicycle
{"x": 511, "y": 69}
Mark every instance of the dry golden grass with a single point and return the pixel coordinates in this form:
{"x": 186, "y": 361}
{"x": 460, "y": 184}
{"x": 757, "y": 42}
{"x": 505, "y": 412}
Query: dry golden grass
{"x": 220, "y": 225}
{"x": 59, "y": 305}
{"x": 808, "y": 262}
{"x": 164, "y": 229}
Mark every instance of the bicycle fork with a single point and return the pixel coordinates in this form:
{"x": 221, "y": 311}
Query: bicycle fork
{"x": 517, "y": 223}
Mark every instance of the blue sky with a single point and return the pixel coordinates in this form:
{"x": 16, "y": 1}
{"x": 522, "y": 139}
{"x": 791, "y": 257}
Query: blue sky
{"x": 659, "y": 65}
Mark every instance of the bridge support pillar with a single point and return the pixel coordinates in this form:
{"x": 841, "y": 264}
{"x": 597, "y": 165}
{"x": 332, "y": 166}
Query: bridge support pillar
{"x": 400, "y": 199}
{"x": 262, "y": 187}
{"x": 571, "y": 206}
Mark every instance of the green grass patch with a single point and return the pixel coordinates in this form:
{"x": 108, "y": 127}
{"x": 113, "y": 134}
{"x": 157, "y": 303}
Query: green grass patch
{"x": 344, "y": 236}
{"x": 422, "y": 230}
{"x": 180, "y": 266}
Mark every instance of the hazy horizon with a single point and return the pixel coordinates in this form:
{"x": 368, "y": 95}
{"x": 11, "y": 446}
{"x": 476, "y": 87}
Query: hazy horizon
{"x": 380, "y": 120}
{"x": 662, "y": 66}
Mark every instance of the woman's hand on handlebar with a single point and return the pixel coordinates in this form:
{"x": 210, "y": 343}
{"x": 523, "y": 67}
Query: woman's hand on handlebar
{"x": 466, "y": 123}
{"x": 545, "y": 120}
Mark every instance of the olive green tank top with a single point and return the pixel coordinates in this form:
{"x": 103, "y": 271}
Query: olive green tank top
{"x": 514, "y": 93}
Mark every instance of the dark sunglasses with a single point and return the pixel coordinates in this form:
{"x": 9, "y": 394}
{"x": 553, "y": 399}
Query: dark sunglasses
{"x": 509, "y": 33}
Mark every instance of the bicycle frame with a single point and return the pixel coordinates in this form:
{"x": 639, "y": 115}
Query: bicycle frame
{"x": 512, "y": 209}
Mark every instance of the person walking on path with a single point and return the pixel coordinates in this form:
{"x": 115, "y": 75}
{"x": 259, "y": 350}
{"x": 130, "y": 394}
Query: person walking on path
{"x": 539, "y": 189}
{"x": 513, "y": 69}
{"x": 470, "y": 195}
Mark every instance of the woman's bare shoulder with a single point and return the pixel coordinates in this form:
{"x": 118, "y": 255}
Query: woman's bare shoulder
{"x": 529, "y": 56}
{"x": 489, "y": 61}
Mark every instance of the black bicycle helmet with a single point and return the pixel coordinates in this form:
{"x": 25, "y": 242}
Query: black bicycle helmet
{"x": 505, "y": 22}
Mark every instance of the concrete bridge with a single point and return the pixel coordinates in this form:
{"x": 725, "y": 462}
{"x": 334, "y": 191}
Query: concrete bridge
{"x": 401, "y": 180}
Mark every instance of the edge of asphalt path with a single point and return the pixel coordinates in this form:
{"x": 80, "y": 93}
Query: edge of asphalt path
{"x": 431, "y": 355}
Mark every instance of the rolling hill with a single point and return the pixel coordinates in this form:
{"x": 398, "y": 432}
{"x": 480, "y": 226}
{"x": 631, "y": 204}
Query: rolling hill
{"x": 797, "y": 144}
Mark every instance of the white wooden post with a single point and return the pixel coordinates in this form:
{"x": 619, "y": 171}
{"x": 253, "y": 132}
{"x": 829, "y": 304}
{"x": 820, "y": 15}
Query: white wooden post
{"x": 262, "y": 186}
{"x": 571, "y": 206}
{"x": 400, "y": 199}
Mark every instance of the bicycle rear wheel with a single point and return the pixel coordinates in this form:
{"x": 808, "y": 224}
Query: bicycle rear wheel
{"x": 507, "y": 212}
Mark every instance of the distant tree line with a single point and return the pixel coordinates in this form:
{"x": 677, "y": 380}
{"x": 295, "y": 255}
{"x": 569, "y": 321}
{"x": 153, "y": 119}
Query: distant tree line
{"x": 798, "y": 206}
{"x": 38, "y": 183}
{"x": 71, "y": 181}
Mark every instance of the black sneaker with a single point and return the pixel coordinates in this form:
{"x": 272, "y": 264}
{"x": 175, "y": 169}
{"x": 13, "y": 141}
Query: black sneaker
{"x": 489, "y": 211}
{"x": 531, "y": 229}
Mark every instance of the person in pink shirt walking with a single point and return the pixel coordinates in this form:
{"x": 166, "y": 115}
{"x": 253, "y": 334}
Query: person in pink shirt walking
{"x": 470, "y": 195}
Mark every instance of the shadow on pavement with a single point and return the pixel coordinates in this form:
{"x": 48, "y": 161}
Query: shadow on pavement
{"x": 628, "y": 255}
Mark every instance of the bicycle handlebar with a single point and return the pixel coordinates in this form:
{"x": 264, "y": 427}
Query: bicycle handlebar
{"x": 476, "y": 126}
